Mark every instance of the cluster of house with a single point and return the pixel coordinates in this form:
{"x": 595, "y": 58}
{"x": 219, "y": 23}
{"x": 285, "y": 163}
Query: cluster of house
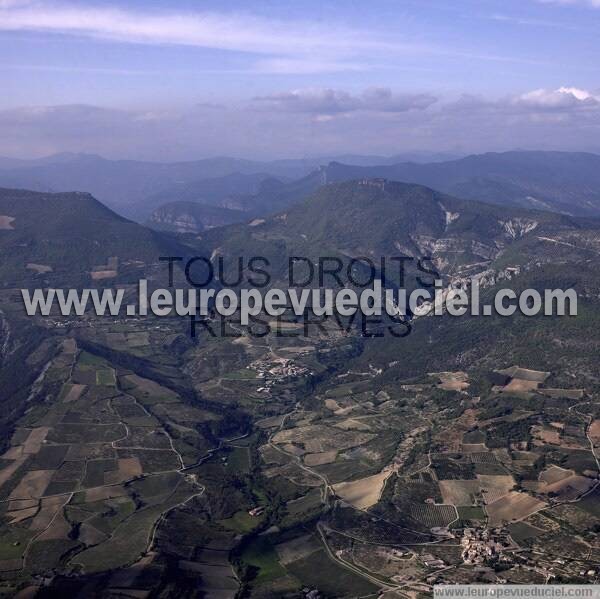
{"x": 479, "y": 547}
{"x": 276, "y": 370}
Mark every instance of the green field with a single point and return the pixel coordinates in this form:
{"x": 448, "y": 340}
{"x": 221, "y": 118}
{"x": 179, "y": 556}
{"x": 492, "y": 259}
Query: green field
{"x": 318, "y": 571}
{"x": 106, "y": 377}
{"x": 242, "y": 522}
{"x": 467, "y": 512}
{"x": 260, "y": 553}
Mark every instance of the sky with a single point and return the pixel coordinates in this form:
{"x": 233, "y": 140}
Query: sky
{"x": 181, "y": 80}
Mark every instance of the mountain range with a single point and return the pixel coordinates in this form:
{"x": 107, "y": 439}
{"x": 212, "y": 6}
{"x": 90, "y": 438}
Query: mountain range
{"x": 47, "y": 235}
{"x": 134, "y": 188}
{"x": 557, "y": 181}
{"x": 126, "y": 185}
{"x": 377, "y": 218}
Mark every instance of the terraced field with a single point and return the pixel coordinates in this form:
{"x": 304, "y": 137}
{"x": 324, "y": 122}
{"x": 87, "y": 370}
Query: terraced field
{"x": 87, "y": 479}
{"x": 123, "y": 470}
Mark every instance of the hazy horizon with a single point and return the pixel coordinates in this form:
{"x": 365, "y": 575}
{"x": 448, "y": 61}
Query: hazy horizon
{"x": 164, "y": 81}
{"x": 418, "y": 156}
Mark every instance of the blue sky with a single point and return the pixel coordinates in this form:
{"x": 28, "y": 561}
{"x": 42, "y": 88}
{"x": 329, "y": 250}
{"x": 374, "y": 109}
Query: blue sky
{"x": 298, "y": 77}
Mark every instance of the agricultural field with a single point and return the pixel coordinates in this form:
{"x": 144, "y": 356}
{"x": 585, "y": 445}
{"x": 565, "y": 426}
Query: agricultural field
{"x": 87, "y": 478}
{"x": 270, "y": 466}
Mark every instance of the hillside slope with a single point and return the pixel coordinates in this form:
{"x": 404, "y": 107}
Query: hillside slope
{"x": 124, "y": 185}
{"x": 378, "y": 218}
{"x": 559, "y": 181}
{"x": 72, "y": 237}
{"x": 192, "y": 217}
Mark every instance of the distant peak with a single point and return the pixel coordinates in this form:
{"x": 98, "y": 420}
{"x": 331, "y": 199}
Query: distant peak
{"x": 70, "y": 157}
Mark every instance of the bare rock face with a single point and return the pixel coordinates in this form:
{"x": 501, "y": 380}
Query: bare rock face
{"x": 179, "y": 222}
{"x": 192, "y": 217}
{"x": 517, "y": 227}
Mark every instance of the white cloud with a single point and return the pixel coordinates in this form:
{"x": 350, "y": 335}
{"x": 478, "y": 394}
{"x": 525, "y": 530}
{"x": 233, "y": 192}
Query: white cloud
{"x": 589, "y": 3}
{"x": 323, "y": 102}
{"x": 277, "y": 46}
{"x": 558, "y": 99}
{"x": 295, "y": 46}
{"x": 13, "y": 3}
{"x": 528, "y": 22}
{"x": 579, "y": 94}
